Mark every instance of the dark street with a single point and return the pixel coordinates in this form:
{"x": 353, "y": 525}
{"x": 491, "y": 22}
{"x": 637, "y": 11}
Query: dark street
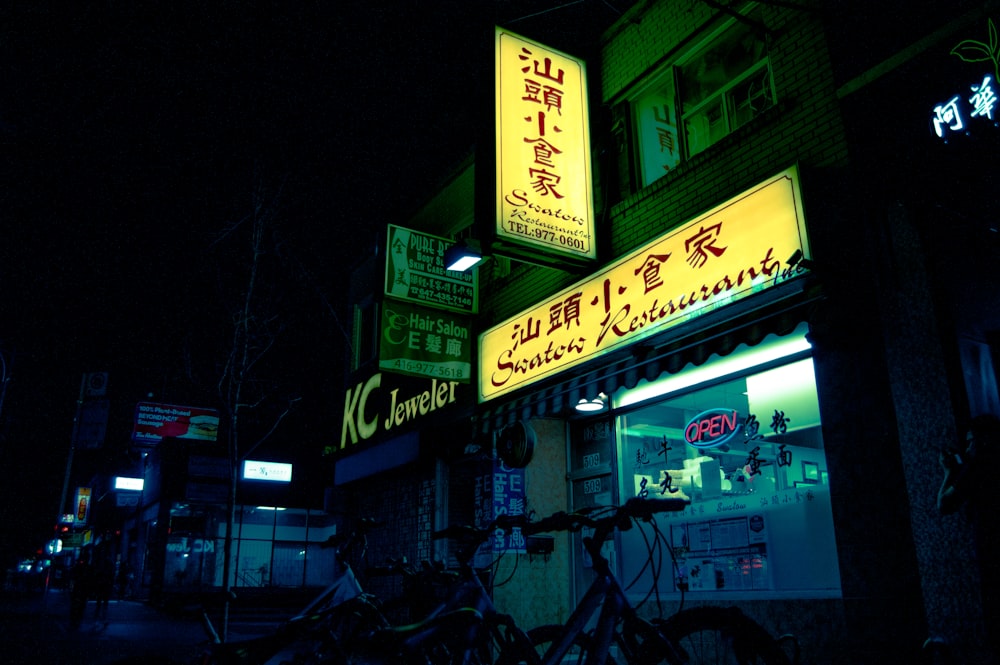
{"x": 35, "y": 628}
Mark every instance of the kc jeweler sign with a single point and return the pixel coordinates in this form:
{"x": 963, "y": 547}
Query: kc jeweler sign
{"x": 388, "y": 404}
{"x": 544, "y": 200}
{"x": 738, "y": 249}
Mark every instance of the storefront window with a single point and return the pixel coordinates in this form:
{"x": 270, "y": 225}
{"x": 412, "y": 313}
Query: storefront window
{"x": 748, "y": 453}
{"x": 272, "y": 546}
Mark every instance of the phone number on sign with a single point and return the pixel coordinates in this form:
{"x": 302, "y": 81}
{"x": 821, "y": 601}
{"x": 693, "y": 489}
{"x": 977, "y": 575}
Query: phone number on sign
{"x": 430, "y": 369}
{"x": 547, "y": 236}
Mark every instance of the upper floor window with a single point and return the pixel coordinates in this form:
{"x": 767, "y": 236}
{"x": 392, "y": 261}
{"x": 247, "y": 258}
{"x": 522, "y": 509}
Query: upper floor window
{"x": 702, "y": 97}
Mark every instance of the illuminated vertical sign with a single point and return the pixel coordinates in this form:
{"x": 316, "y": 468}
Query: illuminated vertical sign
{"x": 544, "y": 198}
{"x": 82, "y": 505}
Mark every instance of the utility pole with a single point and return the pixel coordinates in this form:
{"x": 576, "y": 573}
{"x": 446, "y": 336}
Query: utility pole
{"x": 72, "y": 449}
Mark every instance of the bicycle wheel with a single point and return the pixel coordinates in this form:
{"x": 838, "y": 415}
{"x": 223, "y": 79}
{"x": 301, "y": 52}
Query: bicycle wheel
{"x": 720, "y": 636}
{"x": 542, "y": 638}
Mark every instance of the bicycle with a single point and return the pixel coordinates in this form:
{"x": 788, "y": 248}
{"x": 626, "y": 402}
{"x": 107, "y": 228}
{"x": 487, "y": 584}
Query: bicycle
{"x": 467, "y": 629}
{"x": 319, "y": 631}
{"x": 461, "y": 626}
{"x": 693, "y": 636}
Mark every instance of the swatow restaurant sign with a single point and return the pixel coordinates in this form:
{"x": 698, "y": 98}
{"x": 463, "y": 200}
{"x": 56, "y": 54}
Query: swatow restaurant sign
{"x": 737, "y": 249}
{"x": 544, "y": 201}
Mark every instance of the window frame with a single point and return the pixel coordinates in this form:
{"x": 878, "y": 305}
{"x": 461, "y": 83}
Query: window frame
{"x": 668, "y": 79}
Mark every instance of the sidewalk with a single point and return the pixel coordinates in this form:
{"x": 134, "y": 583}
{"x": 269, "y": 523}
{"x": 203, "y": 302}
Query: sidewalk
{"x": 35, "y": 628}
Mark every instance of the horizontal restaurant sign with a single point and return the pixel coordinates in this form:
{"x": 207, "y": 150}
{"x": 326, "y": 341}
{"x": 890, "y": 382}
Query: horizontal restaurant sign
{"x": 737, "y": 249}
{"x": 544, "y": 201}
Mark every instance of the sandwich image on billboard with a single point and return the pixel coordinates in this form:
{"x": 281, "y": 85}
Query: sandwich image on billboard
{"x": 155, "y": 422}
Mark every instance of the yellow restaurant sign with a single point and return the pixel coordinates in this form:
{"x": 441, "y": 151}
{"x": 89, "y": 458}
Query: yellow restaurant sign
{"x": 730, "y": 252}
{"x": 544, "y": 200}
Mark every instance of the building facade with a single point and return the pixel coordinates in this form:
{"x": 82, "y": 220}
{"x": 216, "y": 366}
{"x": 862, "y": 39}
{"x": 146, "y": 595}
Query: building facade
{"x": 791, "y": 312}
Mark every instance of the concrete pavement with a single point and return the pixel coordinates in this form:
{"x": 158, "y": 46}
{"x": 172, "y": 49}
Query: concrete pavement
{"x": 35, "y": 628}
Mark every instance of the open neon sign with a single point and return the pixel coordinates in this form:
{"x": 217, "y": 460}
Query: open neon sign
{"x": 712, "y": 428}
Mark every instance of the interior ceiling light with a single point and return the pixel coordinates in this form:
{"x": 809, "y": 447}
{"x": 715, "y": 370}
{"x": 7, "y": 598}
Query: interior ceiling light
{"x": 462, "y": 255}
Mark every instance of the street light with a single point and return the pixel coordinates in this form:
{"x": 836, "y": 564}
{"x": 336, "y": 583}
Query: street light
{"x": 462, "y": 255}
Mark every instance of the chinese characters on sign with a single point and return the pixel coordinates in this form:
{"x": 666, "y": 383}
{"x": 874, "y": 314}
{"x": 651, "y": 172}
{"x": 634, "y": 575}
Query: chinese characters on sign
{"x": 733, "y": 251}
{"x": 415, "y": 271}
{"x": 956, "y": 114}
{"x": 501, "y": 492}
{"x": 543, "y": 197}
{"x": 661, "y": 152}
{"x": 508, "y": 499}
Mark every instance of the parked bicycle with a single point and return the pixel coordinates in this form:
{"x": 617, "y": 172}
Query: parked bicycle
{"x": 320, "y": 631}
{"x": 467, "y": 629}
{"x": 695, "y": 636}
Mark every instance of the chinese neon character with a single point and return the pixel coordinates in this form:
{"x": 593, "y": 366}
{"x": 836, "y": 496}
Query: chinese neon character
{"x": 751, "y": 428}
{"x": 779, "y": 423}
{"x": 544, "y": 182}
{"x": 453, "y": 347}
{"x": 527, "y": 333}
{"x": 667, "y": 485}
{"x": 543, "y": 151}
{"x": 545, "y": 72}
{"x": 539, "y": 120}
{"x": 703, "y": 242}
{"x": 752, "y": 466}
{"x": 784, "y": 456}
{"x": 983, "y": 99}
{"x": 550, "y": 97}
{"x": 666, "y": 140}
{"x": 650, "y": 270}
{"x": 947, "y": 116}
{"x": 607, "y": 300}
{"x": 565, "y": 312}
{"x": 432, "y": 343}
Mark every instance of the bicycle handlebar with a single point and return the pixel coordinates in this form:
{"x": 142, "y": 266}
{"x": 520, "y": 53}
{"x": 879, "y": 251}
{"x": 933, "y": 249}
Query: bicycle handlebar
{"x": 618, "y": 517}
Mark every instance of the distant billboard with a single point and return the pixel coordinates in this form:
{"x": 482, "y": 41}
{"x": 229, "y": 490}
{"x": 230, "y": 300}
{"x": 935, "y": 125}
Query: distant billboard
{"x": 277, "y": 472}
{"x": 155, "y": 422}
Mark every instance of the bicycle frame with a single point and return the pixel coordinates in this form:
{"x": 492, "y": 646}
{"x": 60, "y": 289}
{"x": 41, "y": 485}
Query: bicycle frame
{"x": 606, "y": 593}
{"x": 469, "y": 594}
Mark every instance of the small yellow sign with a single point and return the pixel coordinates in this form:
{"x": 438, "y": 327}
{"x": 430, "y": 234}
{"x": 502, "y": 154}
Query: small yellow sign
{"x": 733, "y": 251}
{"x": 544, "y": 200}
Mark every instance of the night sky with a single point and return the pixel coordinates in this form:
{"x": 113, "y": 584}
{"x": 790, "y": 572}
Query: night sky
{"x": 137, "y": 136}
